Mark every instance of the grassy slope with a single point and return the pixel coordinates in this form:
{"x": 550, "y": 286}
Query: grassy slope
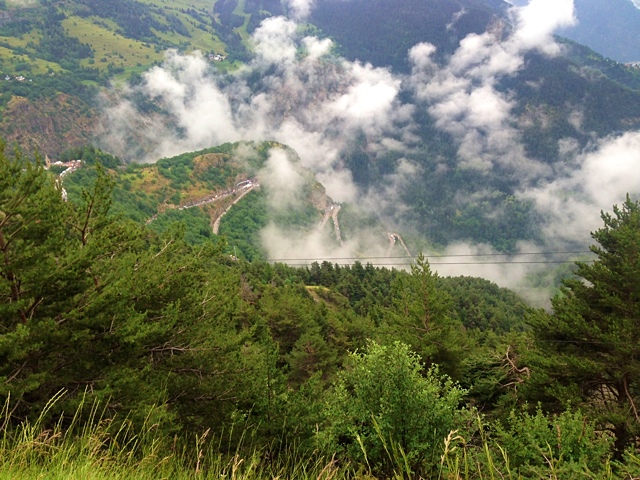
{"x": 106, "y": 44}
{"x": 243, "y": 29}
{"x": 112, "y": 50}
{"x": 38, "y": 66}
{"x": 111, "y": 47}
{"x": 202, "y": 36}
{"x": 11, "y": 59}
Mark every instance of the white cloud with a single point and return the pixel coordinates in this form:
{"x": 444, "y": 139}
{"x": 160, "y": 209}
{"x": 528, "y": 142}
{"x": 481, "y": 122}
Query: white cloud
{"x": 282, "y": 179}
{"x": 296, "y": 93}
{"x": 300, "y": 9}
{"x": 537, "y": 21}
{"x": 463, "y": 98}
{"x": 571, "y": 203}
{"x": 369, "y": 103}
{"x": 274, "y": 41}
{"x": 317, "y": 48}
{"x": 291, "y": 92}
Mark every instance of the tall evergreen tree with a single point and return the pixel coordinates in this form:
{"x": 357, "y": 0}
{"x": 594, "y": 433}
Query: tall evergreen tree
{"x": 95, "y": 305}
{"x": 591, "y": 342}
{"x": 422, "y": 316}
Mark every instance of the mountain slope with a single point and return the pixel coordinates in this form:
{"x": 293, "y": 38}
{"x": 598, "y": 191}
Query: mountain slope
{"x": 610, "y": 27}
{"x": 381, "y": 32}
{"x": 199, "y": 188}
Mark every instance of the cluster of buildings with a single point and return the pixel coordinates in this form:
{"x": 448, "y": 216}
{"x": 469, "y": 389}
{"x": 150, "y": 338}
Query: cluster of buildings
{"x": 19, "y": 78}
{"x": 216, "y": 57}
{"x": 244, "y": 184}
{"x": 70, "y": 166}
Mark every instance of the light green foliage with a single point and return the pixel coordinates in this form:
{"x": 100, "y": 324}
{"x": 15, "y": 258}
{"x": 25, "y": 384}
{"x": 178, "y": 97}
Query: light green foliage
{"x": 90, "y": 446}
{"x": 384, "y": 412}
{"x": 566, "y": 444}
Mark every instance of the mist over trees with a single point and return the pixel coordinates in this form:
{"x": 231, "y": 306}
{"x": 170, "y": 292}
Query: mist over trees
{"x": 147, "y": 326}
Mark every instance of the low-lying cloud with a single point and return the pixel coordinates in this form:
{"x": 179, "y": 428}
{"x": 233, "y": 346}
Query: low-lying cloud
{"x": 297, "y": 92}
{"x": 601, "y": 178}
{"x": 462, "y": 95}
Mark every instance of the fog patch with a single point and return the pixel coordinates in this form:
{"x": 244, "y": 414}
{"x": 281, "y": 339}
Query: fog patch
{"x": 282, "y": 180}
{"x": 462, "y": 97}
{"x": 570, "y": 204}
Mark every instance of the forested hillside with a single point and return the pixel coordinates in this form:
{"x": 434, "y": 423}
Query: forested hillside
{"x": 368, "y": 31}
{"x": 355, "y": 368}
{"x": 211, "y": 219}
{"x": 610, "y": 27}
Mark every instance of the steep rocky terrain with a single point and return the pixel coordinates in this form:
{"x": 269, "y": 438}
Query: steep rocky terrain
{"x": 49, "y": 125}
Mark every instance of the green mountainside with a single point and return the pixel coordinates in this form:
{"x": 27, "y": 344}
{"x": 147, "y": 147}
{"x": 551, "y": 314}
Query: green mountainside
{"x": 198, "y": 189}
{"x": 59, "y": 55}
{"x": 381, "y": 32}
{"x": 147, "y": 329}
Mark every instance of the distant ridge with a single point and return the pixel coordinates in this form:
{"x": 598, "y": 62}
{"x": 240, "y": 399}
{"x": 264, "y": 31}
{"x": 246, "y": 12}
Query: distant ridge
{"x": 367, "y": 30}
{"x": 610, "y": 27}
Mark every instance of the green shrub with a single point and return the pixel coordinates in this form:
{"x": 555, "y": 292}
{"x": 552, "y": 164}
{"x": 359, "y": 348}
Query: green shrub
{"x": 567, "y": 444}
{"x": 383, "y": 412}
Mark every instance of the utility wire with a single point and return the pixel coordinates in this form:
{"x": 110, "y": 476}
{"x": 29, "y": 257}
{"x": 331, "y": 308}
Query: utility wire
{"x": 405, "y": 257}
{"x": 400, "y": 264}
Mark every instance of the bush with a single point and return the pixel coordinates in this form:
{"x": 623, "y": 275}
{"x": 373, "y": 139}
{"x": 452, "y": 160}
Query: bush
{"x": 568, "y": 444}
{"x": 383, "y": 412}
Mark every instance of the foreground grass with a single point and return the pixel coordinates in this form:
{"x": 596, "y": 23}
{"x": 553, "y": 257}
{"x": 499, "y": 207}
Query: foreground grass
{"x": 92, "y": 447}
{"x": 97, "y": 448}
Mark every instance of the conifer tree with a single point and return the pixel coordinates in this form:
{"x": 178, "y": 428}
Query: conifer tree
{"x": 97, "y": 306}
{"x": 591, "y": 343}
{"x": 422, "y": 316}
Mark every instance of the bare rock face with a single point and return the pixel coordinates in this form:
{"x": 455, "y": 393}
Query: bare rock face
{"x": 48, "y": 126}
{"x": 319, "y": 198}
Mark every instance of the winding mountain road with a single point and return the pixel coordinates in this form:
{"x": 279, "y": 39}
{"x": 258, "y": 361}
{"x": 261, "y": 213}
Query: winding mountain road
{"x": 393, "y": 239}
{"x": 332, "y": 212}
{"x": 242, "y": 188}
{"x": 216, "y": 224}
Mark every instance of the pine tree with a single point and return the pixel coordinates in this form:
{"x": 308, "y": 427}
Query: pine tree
{"x": 590, "y": 345}
{"x": 97, "y": 306}
{"x": 422, "y": 316}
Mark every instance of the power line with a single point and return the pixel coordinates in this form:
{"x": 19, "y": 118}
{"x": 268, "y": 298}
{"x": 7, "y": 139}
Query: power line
{"x": 427, "y": 257}
{"x": 433, "y": 264}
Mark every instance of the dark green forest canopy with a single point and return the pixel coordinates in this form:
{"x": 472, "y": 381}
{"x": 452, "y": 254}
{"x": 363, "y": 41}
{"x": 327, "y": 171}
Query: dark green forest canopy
{"x": 101, "y": 308}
